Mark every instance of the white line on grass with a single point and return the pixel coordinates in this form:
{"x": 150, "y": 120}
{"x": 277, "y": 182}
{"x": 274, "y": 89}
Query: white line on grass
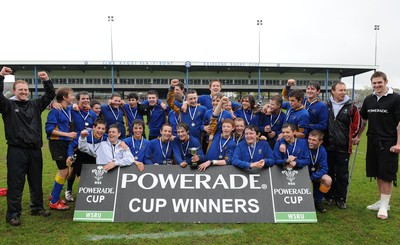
{"x": 165, "y": 235}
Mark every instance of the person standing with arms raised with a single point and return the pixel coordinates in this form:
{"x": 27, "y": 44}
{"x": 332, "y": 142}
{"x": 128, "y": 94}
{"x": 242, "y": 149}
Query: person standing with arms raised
{"x": 23, "y": 130}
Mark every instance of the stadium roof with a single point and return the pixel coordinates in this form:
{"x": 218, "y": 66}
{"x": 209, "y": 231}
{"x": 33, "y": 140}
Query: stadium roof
{"x": 282, "y": 68}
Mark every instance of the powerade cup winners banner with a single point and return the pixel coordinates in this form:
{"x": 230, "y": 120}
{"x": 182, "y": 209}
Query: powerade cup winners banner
{"x": 174, "y": 194}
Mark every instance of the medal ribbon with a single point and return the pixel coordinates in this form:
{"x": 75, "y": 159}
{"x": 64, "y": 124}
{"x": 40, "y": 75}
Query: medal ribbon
{"x": 134, "y": 147}
{"x": 294, "y": 147}
{"x": 115, "y": 116}
{"x": 166, "y": 152}
{"x": 314, "y": 159}
{"x": 194, "y": 113}
{"x": 245, "y": 117}
{"x": 252, "y": 153}
{"x": 273, "y": 124}
{"x": 222, "y": 146}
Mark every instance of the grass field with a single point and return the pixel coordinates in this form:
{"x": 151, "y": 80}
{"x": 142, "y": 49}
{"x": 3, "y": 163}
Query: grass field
{"x": 355, "y": 225}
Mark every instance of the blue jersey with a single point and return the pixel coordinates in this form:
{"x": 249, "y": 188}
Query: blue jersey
{"x": 238, "y": 138}
{"x": 173, "y": 120}
{"x": 275, "y": 121}
{"x": 318, "y": 113}
{"x": 319, "y": 163}
{"x": 299, "y": 149}
{"x": 137, "y": 147}
{"x": 193, "y": 116}
{"x": 131, "y": 114}
{"x": 206, "y": 101}
{"x": 59, "y": 120}
{"x": 158, "y": 152}
{"x": 114, "y": 116}
{"x": 221, "y": 149}
{"x": 82, "y": 119}
{"x": 249, "y": 117}
{"x": 245, "y": 154}
{"x": 156, "y": 118}
{"x": 183, "y": 152}
{"x": 300, "y": 118}
{"x": 221, "y": 117}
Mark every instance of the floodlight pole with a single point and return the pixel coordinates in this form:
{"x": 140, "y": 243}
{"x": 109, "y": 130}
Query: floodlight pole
{"x": 187, "y": 65}
{"x": 259, "y": 24}
{"x": 111, "y": 20}
{"x": 376, "y": 28}
{"x": 36, "y": 81}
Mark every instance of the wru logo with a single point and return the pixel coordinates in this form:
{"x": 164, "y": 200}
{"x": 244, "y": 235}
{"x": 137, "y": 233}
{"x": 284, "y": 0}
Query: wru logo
{"x": 290, "y": 173}
{"x": 98, "y": 174}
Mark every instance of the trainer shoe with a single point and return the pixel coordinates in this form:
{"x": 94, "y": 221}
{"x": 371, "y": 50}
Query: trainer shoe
{"x": 50, "y": 198}
{"x": 59, "y": 205}
{"x": 329, "y": 201}
{"x": 40, "y": 212}
{"x": 14, "y": 221}
{"x": 68, "y": 196}
{"x": 376, "y": 206}
{"x": 341, "y": 203}
{"x": 319, "y": 207}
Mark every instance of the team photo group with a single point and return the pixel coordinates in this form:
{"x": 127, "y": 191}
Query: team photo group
{"x": 292, "y": 130}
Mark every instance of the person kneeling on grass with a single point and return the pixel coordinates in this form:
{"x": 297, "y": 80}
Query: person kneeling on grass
{"x": 318, "y": 168}
{"x": 110, "y": 153}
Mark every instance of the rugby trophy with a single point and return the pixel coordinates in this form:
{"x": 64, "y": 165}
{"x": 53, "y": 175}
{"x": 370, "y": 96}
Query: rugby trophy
{"x": 193, "y": 151}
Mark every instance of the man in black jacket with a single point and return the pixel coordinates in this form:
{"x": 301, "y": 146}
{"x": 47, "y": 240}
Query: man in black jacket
{"x": 343, "y": 125}
{"x": 23, "y": 130}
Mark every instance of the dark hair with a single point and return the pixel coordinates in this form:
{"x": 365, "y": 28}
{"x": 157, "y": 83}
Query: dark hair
{"x": 297, "y": 93}
{"x": 62, "y": 92}
{"x": 181, "y": 85}
{"x": 277, "y": 99}
{"x": 251, "y": 100}
{"x": 94, "y": 102}
{"x": 317, "y": 133}
{"x": 252, "y": 128}
{"x": 99, "y": 121}
{"x": 182, "y": 125}
{"x": 78, "y": 95}
{"x": 379, "y": 74}
{"x": 115, "y": 126}
{"x": 333, "y": 88}
{"x": 152, "y": 92}
{"x": 166, "y": 125}
{"x": 138, "y": 122}
{"x": 132, "y": 96}
{"x": 314, "y": 84}
{"x": 290, "y": 125}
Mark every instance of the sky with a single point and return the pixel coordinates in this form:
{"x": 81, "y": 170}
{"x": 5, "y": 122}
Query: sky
{"x": 293, "y": 31}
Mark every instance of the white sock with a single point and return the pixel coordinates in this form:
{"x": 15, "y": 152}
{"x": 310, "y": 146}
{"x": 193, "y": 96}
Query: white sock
{"x": 384, "y": 201}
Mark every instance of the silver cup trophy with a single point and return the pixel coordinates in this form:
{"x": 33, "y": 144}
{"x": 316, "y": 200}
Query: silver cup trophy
{"x": 193, "y": 151}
